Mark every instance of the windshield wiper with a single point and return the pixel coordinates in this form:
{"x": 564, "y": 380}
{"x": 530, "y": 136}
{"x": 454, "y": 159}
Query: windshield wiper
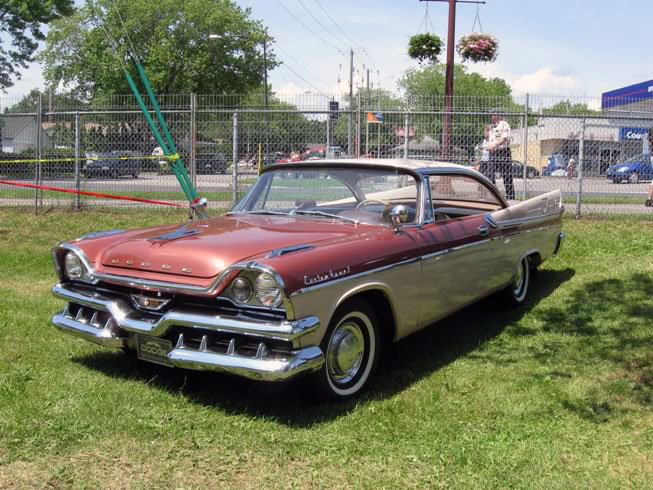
{"x": 326, "y": 215}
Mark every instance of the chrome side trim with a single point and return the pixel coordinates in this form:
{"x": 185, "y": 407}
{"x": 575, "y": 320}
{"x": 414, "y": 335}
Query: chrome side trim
{"x": 259, "y": 368}
{"x": 353, "y": 276}
{"x": 518, "y": 222}
{"x": 121, "y": 311}
{"x": 286, "y": 250}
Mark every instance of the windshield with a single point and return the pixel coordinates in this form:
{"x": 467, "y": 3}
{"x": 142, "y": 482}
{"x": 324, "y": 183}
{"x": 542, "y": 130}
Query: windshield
{"x": 346, "y": 194}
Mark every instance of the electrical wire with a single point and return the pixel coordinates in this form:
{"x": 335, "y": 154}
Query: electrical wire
{"x": 124, "y": 27}
{"x": 309, "y": 29}
{"x": 284, "y": 65}
{"x": 362, "y": 48}
{"x": 320, "y": 23}
{"x": 297, "y": 63}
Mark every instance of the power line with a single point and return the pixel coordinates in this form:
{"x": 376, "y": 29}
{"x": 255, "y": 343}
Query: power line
{"x": 284, "y": 65}
{"x": 299, "y": 64}
{"x": 320, "y": 23}
{"x": 309, "y": 29}
{"x": 362, "y": 48}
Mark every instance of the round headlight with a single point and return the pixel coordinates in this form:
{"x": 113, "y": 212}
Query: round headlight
{"x": 242, "y": 289}
{"x": 73, "y": 265}
{"x": 268, "y": 292}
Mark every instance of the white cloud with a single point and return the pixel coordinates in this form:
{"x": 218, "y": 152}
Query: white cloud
{"x": 31, "y": 79}
{"x": 544, "y": 81}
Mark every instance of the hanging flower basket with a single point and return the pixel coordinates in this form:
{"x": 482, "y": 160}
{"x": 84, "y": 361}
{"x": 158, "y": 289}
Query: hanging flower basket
{"x": 478, "y": 47}
{"x": 425, "y": 48}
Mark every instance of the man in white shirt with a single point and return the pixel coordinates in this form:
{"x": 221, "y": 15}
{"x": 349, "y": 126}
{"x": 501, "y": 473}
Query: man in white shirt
{"x": 500, "y": 154}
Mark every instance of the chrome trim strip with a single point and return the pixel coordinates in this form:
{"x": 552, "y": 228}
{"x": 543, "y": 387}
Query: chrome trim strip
{"x": 286, "y": 250}
{"x": 518, "y": 222}
{"x": 121, "y": 311}
{"x": 353, "y": 276}
{"x": 303, "y": 360}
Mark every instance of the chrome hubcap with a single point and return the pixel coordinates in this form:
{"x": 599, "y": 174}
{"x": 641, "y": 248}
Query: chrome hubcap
{"x": 345, "y": 352}
{"x": 519, "y": 279}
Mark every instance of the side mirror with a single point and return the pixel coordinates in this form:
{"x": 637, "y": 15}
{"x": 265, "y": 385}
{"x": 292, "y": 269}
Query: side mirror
{"x": 398, "y": 215}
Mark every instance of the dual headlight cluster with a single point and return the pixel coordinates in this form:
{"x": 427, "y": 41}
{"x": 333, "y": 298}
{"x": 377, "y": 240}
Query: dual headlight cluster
{"x": 73, "y": 267}
{"x": 262, "y": 289}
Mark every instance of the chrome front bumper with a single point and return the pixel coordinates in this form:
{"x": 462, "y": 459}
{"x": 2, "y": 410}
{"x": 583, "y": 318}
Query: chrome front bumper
{"x": 110, "y": 321}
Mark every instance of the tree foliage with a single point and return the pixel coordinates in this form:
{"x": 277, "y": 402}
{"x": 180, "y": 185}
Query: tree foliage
{"x": 20, "y": 24}
{"x": 473, "y": 93}
{"x": 170, "y": 37}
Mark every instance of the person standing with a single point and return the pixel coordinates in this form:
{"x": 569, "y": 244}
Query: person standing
{"x": 485, "y": 167}
{"x": 500, "y": 154}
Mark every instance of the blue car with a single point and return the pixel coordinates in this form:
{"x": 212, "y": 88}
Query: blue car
{"x": 632, "y": 170}
{"x": 555, "y": 162}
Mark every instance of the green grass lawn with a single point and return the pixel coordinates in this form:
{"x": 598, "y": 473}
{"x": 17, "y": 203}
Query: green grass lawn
{"x": 556, "y": 394}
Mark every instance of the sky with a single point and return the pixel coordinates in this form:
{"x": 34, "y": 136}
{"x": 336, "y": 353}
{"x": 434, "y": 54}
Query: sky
{"x": 552, "y": 47}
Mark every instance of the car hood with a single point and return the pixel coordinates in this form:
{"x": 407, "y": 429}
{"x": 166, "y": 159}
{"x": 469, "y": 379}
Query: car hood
{"x": 205, "y": 248}
{"x": 620, "y": 166}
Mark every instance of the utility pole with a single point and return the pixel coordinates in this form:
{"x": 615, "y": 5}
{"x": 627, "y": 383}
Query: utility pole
{"x": 351, "y": 100}
{"x": 448, "y": 84}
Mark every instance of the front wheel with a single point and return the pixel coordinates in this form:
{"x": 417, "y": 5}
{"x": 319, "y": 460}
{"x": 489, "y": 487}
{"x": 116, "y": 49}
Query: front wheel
{"x": 515, "y": 293}
{"x": 633, "y": 178}
{"x": 351, "y": 348}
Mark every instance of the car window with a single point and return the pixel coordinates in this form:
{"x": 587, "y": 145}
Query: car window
{"x": 460, "y": 190}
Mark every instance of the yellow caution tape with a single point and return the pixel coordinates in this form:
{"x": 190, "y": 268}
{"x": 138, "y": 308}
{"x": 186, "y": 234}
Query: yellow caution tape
{"x": 46, "y": 160}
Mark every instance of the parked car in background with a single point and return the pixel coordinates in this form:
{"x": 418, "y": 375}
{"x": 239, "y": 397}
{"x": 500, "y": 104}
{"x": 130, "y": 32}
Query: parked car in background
{"x": 518, "y": 170}
{"x": 215, "y": 163}
{"x": 556, "y": 166}
{"x": 113, "y": 165}
{"x": 632, "y": 170}
{"x": 307, "y": 280}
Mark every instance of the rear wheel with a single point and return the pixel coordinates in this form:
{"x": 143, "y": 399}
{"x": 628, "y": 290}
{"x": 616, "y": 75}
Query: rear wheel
{"x": 515, "y": 293}
{"x": 351, "y": 348}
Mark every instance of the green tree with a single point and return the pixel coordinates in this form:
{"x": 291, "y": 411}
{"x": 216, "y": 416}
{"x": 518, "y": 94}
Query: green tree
{"x": 474, "y": 95}
{"x": 171, "y": 37}
{"x": 569, "y": 107}
{"x": 20, "y": 24}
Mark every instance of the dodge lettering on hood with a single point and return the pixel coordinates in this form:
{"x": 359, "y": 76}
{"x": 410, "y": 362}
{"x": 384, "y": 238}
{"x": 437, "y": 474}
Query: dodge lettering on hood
{"x": 310, "y": 273}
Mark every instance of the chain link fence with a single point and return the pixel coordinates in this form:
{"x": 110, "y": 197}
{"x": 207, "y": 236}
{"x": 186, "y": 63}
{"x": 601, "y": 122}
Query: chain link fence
{"x": 595, "y": 151}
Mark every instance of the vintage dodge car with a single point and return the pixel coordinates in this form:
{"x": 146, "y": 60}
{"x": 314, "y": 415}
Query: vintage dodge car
{"x": 316, "y": 267}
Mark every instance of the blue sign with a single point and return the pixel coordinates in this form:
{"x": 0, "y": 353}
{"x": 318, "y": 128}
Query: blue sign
{"x": 629, "y": 134}
{"x": 627, "y": 95}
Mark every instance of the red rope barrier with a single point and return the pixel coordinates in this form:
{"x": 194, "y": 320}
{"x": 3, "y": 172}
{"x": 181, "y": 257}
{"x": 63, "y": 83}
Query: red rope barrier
{"x": 94, "y": 194}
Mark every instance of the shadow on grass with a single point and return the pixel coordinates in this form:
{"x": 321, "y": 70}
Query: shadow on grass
{"x": 404, "y": 363}
{"x": 607, "y": 324}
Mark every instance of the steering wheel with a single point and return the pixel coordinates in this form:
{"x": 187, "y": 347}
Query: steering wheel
{"x": 365, "y": 202}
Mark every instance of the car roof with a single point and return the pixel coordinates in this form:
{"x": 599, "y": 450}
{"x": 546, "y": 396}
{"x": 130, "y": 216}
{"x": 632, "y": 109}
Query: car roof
{"x": 390, "y": 163}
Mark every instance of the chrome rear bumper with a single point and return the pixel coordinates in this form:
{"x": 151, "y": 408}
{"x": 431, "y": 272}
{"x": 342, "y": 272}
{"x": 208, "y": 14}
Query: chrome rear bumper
{"x": 109, "y": 321}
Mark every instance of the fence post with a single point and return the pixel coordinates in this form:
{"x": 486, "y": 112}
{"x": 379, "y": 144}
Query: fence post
{"x": 235, "y": 158}
{"x": 581, "y": 164}
{"x": 37, "y": 175}
{"x": 525, "y": 146}
{"x": 358, "y": 126}
{"x": 406, "y": 124}
{"x": 78, "y": 204}
{"x": 193, "y": 139}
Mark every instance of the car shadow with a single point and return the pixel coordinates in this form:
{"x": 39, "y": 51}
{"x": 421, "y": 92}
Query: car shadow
{"x": 405, "y": 363}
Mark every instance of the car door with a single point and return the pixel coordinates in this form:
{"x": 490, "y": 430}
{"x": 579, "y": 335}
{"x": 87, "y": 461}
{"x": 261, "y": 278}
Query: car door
{"x": 456, "y": 252}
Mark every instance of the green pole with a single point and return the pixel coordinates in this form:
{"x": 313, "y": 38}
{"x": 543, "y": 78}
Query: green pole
{"x": 155, "y": 131}
{"x": 182, "y": 173}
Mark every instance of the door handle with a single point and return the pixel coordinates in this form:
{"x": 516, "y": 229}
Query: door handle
{"x": 483, "y": 230}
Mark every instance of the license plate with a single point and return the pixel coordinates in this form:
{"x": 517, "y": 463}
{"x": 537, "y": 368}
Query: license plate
{"x": 153, "y": 349}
